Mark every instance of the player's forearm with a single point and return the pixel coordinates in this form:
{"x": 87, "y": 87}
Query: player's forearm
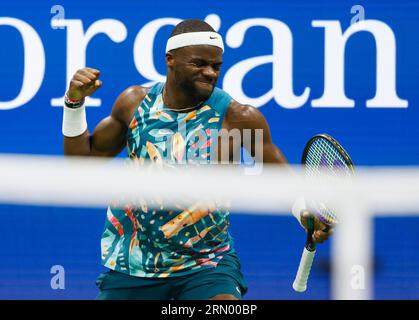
{"x": 273, "y": 155}
{"x": 94, "y": 145}
{"x": 268, "y": 153}
{"x": 78, "y": 146}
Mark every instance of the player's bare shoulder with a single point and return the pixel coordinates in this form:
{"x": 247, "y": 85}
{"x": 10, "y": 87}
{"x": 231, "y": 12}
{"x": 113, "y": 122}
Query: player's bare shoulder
{"x": 244, "y": 116}
{"x": 127, "y": 102}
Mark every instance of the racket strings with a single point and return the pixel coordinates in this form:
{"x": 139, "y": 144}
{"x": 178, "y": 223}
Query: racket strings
{"x": 322, "y": 157}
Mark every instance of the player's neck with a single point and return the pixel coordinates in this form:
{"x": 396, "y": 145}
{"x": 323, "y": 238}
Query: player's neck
{"x": 175, "y": 98}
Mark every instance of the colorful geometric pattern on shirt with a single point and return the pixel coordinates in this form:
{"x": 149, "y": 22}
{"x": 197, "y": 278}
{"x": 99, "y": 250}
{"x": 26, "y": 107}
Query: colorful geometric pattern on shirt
{"x": 149, "y": 240}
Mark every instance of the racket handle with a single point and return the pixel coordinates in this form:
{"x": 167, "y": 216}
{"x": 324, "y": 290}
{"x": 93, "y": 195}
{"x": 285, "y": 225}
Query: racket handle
{"x": 300, "y": 282}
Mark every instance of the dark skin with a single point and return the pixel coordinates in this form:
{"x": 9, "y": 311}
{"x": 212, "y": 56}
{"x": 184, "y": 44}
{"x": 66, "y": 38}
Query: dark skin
{"x": 192, "y": 73}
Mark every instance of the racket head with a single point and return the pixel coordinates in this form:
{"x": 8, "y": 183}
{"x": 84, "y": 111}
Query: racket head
{"x": 323, "y": 154}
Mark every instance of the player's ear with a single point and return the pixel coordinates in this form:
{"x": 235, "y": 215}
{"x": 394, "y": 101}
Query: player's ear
{"x": 170, "y": 59}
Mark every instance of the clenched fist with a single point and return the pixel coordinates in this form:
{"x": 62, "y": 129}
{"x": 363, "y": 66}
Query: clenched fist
{"x": 84, "y": 83}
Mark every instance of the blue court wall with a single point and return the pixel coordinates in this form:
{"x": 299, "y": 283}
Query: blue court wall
{"x": 278, "y": 57}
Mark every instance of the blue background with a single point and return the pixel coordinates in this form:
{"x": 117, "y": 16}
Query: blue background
{"x": 36, "y": 238}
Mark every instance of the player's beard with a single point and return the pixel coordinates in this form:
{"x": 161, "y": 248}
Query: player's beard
{"x": 200, "y": 92}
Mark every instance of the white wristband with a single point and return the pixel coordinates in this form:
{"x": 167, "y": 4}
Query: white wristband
{"x": 74, "y": 121}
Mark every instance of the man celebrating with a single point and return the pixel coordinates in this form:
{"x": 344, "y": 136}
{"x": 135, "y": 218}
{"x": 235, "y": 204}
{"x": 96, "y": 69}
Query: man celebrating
{"x": 153, "y": 252}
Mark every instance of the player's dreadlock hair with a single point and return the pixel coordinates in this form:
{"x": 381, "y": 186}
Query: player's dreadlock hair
{"x": 191, "y": 25}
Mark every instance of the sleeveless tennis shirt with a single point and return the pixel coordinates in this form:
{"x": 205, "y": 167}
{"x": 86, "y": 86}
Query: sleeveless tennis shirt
{"x": 150, "y": 240}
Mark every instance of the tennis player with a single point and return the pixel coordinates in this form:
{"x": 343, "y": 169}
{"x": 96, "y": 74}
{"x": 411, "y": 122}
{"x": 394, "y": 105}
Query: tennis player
{"x": 156, "y": 253}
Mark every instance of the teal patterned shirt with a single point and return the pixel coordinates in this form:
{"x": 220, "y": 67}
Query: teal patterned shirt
{"x": 150, "y": 240}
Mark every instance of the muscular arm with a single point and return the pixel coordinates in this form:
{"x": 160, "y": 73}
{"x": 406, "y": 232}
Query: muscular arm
{"x": 247, "y": 117}
{"x": 109, "y": 136}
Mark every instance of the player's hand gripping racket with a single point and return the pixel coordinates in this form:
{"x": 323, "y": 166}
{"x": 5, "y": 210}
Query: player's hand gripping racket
{"x": 322, "y": 153}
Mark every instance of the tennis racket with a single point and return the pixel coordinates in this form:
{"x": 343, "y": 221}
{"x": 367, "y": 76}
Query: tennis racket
{"x": 324, "y": 154}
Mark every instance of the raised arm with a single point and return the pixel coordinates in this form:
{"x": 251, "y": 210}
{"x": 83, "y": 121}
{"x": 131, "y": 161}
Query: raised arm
{"x": 109, "y": 136}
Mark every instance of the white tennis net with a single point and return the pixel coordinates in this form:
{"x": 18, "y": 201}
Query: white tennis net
{"x": 90, "y": 182}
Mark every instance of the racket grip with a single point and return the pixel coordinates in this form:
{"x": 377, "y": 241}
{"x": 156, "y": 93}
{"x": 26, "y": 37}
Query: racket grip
{"x": 300, "y": 282}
